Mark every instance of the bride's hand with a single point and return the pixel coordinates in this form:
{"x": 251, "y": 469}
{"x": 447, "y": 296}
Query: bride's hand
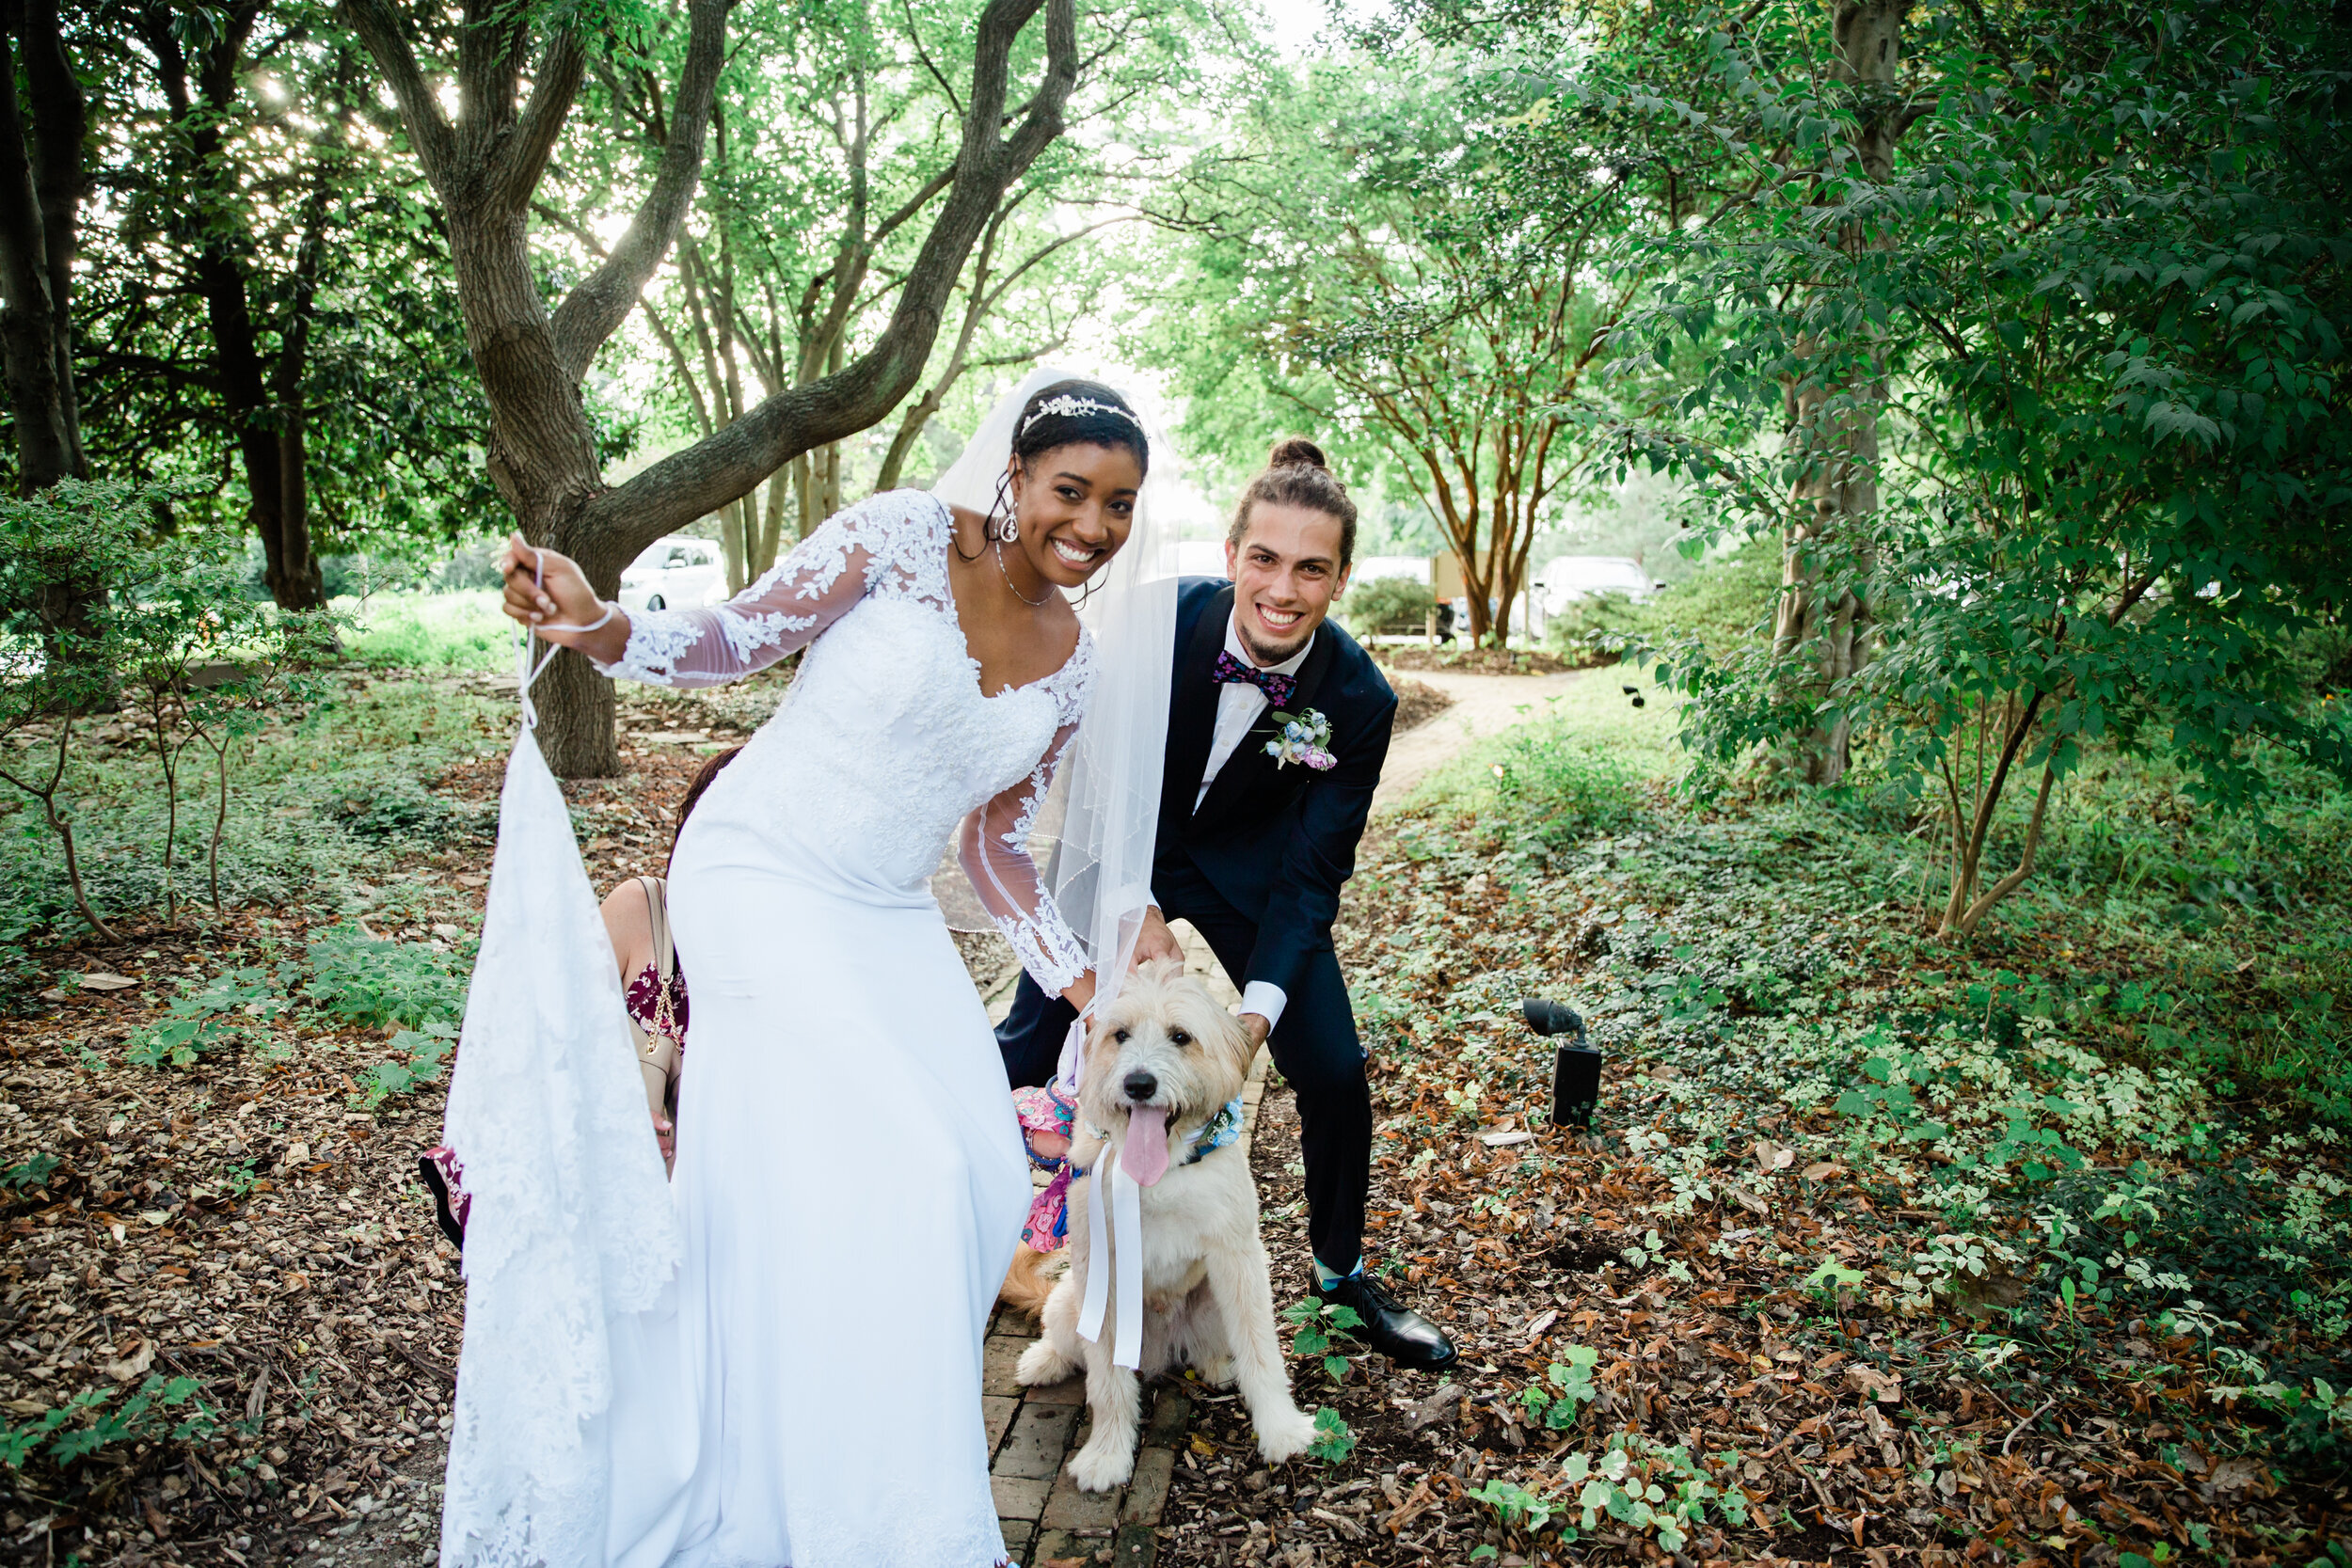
{"x": 548, "y": 592}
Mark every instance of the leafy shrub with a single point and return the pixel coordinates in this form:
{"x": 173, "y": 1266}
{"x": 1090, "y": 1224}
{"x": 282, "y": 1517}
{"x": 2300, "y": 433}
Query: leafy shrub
{"x": 384, "y": 807}
{"x": 1567, "y": 1390}
{"x": 1387, "y": 604}
{"x": 31, "y": 1172}
{"x": 1538, "y": 786}
{"x": 1515, "y": 1506}
{"x": 1583, "y": 622}
{"x": 1333, "y": 1441}
{"x": 1726, "y": 603}
{"x": 1644, "y": 1485}
{"x": 1315, "y": 1321}
{"x": 373, "y": 982}
{"x": 2316, "y": 1421}
{"x": 205, "y": 1015}
{"x": 2256, "y": 1244}
{"x": 59, "y": 1437}
{"x": 423, "y": 1057}
{"x": 351, "y": 757}
{"x": 434, "y": 632}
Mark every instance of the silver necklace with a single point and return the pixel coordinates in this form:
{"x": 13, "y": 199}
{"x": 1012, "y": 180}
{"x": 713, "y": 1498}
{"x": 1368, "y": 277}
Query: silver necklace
{"x": 1033, "y": 604}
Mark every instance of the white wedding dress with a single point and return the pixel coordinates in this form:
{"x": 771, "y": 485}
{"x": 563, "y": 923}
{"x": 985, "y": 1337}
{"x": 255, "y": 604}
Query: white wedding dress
{"x": 850, "y": 1180}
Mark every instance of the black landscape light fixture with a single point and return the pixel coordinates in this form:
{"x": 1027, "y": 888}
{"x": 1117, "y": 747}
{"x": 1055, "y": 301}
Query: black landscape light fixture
{"x": 1576, "y": 1066}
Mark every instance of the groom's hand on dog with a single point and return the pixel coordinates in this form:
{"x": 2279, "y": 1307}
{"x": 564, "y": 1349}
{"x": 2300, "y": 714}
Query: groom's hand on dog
{"x": 1156, "y": 941}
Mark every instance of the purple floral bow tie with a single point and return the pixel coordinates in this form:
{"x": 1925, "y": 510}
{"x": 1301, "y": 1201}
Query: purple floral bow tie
{"x": 1278, "y": 689}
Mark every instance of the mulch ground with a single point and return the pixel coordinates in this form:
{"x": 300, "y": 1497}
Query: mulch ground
{"x": 241, "y": 1224}
{"x": 1854, "y": 1436}
{"x": 244, "y": 1226}
{"x": 1417, "y": 703}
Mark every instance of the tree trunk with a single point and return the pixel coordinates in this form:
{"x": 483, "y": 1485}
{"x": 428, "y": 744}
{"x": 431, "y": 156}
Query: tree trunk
{"x": 543, "y": 459}
{"x": 805, "y": 491}
{"x": 294, "y": 574}
{"x": 910, "y": 430}
{"x": 735, "y": 548}
{"x": 484, "y": 169}
{"x": 1838, "y": 487}
{"x": 290, "y": 564}
{"x": 40, "y": 195}
{"x": 263, "y": 404}
{"x": 764, "y": 548}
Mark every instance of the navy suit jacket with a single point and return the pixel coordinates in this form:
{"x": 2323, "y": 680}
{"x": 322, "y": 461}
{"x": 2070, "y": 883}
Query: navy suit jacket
{"x": 1276, "y": 842}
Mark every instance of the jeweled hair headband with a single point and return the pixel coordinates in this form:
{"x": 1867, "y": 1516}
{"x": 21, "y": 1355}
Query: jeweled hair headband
{"x": 1070, "y": 405}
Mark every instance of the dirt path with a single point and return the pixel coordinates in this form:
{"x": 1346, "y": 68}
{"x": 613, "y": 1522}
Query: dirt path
{"x": 1482, "y": 706}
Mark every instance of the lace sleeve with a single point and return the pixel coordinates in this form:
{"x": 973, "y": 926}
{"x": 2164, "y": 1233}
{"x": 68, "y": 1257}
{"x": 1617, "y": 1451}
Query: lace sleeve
{"x": 888, "y": 541}
{"x": 994, "y": 846}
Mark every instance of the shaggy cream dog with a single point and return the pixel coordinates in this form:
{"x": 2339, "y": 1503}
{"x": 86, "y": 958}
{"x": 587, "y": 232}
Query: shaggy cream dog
{"x": 1163, "y": 1061}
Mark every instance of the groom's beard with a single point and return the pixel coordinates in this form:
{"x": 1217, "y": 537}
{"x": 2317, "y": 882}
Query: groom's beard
{"x": 1269, "y": 654}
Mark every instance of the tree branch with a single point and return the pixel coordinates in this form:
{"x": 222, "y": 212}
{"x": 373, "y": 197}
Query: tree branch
{"x": 378, "y": 26}
{"x": 914, "y": 204}
{"x": 523, "y": 157}
{"x": 604, "y": 298}
{"x": 490, "y": 38}
{"x": 1976, "y": 912}
{"x": 861, "y": 393}
{"x": 914, "y": 35}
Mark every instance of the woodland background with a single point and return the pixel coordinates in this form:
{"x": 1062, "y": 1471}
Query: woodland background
{"x": 1960, "y": 842}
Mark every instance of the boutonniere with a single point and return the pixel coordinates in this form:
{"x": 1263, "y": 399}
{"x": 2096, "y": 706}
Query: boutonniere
{"x": 1303, "y": 737}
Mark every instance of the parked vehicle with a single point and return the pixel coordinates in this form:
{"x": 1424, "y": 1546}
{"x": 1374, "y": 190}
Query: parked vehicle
{"x": 1569, "y": 578}
{"x": 678, "y": 572}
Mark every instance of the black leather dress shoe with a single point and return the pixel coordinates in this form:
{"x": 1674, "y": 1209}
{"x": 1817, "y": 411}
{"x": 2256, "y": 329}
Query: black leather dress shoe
{"x": 1393, "y": 1329}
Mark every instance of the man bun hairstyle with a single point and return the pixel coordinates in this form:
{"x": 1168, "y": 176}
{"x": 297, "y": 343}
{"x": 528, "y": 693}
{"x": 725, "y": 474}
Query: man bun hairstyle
{"x": 1079, "y": 413}
{"x": 1297, "y": 474}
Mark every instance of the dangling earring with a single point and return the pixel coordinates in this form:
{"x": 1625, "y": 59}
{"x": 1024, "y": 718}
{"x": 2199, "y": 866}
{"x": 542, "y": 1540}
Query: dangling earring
{"x": 1004, "y": 523}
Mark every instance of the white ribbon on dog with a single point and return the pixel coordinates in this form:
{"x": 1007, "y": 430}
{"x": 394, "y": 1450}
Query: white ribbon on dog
{"x": 1125, "y": 1253}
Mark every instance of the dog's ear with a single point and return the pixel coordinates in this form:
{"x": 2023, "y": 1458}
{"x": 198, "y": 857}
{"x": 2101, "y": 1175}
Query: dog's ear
{"x": 1164, "y": 972}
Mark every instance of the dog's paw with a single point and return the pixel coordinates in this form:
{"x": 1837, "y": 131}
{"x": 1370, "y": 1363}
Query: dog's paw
{"x": 1041, "y": 1365}
{"x": 1216, "y": 1371}
{"x": 1285, "y": 1436}
{"x": 1105, "y": 1466}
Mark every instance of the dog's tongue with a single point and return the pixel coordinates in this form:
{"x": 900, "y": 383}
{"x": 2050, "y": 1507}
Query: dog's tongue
{"x": 1145, "y": 1158}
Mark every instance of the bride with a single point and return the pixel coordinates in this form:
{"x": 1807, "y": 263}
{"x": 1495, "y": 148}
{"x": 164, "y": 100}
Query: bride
{"x": 850, "y": 1180}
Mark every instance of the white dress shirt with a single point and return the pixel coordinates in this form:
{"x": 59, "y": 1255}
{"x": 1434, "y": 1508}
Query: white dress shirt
{"x": 1238, "y": 705}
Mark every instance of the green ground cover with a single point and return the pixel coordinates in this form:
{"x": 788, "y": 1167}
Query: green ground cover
{"x": 315, "y": 801}
{"x": 2091, "y": 1162}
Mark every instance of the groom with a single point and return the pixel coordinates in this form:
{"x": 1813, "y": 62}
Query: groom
{"x": 1252, "y": 850}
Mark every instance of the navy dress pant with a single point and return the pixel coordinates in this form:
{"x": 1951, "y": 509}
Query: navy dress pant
{"x": 1314, "y": 1047}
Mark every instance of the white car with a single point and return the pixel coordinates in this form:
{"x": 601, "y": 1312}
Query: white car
{"x": 678, "y": 572}
{"x": 1570, "y": 578}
